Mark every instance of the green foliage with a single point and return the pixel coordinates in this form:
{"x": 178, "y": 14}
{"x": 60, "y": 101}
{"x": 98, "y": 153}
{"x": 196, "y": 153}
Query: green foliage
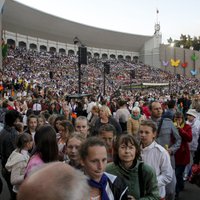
{"x": 4, "y": 50}
{"x": 186, "y": 41}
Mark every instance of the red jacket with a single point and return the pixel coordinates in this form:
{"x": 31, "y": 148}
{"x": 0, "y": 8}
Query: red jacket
{"x": 182, "y": 156}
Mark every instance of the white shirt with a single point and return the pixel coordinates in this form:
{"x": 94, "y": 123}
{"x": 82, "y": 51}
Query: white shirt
{"x": 158, "y": 158}
{"x": 37, "y": 107}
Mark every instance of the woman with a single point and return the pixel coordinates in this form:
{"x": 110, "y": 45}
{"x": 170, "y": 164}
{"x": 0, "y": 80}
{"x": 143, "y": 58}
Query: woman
{"x": 57, "y": 122}
{"x": 103, "y": 186}
{"x": 94, "y": 117}
{"x": 41, "y": 120}
{"x": 139, "y": 177}
{"x": 65, "y": 130}
{"x": 105, "y": 117}
{"x": 185, "y": 131}
{"x": 46, "y": 149}
{"x": 32, "y": 124}
{"x": 133, "y": 122}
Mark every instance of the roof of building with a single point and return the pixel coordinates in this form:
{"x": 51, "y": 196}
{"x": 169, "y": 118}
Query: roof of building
{"x": 19, "y": 18}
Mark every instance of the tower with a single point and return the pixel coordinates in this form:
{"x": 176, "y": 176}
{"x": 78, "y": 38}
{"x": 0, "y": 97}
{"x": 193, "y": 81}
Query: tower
{"x": 157, "y": 24}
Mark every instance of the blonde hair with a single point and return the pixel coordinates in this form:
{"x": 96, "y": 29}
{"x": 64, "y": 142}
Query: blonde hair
{"x": 106, "y": 109}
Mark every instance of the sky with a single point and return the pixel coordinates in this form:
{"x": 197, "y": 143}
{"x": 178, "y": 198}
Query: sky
{"x": 176, "y": 17}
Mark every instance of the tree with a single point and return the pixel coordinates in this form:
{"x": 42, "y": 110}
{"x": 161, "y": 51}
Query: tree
{"x": 186, "y": 41}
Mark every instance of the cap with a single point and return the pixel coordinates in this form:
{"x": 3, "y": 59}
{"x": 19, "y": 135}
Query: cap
{"x": 192, "y": 112}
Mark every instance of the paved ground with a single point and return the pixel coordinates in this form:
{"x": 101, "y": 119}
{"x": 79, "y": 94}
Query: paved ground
{"x": 191, "y": 192}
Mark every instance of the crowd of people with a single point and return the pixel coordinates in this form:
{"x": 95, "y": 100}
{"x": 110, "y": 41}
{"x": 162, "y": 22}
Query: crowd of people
{"x": 137, "y": 144}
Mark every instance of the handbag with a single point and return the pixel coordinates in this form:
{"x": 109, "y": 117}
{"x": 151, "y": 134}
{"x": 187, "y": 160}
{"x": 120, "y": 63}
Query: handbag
{"x": 195, "y": 175}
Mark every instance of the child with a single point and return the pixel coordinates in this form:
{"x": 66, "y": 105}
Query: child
{"x": 155, "y": 155}
{"x": 107, "y": 132}
{"x": 18, "y": 160}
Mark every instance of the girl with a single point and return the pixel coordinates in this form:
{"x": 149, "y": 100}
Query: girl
{"x": 18, "y": 160}
{"x": 46, "y": 148}
{"x": 72, "y": 146}
{"x": 65, "y": 130}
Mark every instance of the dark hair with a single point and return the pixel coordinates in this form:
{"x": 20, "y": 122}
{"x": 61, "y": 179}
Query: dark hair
{"x": 11, "y": 116}
{"x": 5, "y": 104}
{"x": 46, "y": 143}
{"x": 90, "y": 142}
{"x": 46, "y": 114}
{"x": 58, "y": 118}
{"x": 22, "y": 140}
{"x": 149, "y": 123}
{"x": 171, "y": 104}
{"x": 125, "y": 139}
{"x": 107, "y": 127}
{"x": 68, "y": 126}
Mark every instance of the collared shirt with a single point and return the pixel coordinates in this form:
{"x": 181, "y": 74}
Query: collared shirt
{"x": 158, "y": 158}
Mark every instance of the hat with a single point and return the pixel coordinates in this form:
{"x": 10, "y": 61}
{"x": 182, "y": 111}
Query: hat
{"x": 192, "y": 112}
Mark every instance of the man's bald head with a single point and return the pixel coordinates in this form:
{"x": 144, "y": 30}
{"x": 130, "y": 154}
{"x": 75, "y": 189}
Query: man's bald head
{"x": 55, "y": 181}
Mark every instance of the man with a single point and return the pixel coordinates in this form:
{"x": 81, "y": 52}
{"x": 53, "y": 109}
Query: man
{"x": 169, "y": 113}
{"x": 122, "y": 115}
{"x": 7, "y": 143}
{"x": 169, "y": 138}
{"x": 65, "y": 183}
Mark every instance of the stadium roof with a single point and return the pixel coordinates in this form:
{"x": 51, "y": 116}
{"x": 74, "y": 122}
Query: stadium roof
{"x": 19, "y": 18}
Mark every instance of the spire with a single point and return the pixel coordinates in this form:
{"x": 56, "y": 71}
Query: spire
{"x": 157, "y": 24}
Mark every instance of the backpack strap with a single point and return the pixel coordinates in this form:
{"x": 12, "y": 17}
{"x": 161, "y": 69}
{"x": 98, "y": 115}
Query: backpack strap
{"x": 159, "y": 126}
{"x": 141, "y": 182}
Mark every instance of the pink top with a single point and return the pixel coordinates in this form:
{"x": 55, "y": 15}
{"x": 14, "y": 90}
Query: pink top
{"x": 34, "y": 162}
